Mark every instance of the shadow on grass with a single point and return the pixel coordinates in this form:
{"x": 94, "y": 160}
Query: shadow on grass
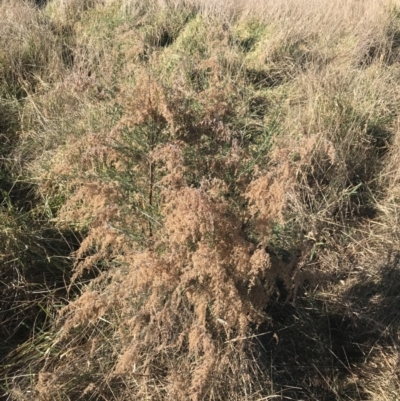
{"x": 32, "y": 288}
{"x": 35, "y": 267}
{"x": 41, "y": 3}
{"x": 319, "y": 346}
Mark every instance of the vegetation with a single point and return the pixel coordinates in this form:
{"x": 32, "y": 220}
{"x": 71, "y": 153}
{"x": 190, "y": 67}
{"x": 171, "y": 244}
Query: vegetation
{"x": 199, "y": 200}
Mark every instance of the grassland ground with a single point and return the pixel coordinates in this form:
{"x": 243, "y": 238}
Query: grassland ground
{"x": 199, "y": 200}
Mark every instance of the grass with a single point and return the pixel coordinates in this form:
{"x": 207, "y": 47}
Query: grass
{"x": 199, "y": 201}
